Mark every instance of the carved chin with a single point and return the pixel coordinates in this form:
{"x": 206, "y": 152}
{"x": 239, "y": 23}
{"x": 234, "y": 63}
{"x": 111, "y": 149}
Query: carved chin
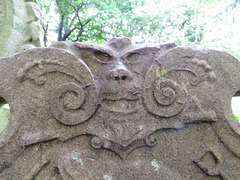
{"x": 125, "y": 106}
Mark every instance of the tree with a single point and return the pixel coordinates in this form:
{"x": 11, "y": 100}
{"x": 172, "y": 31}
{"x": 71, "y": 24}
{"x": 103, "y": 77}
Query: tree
{"x": 177, "y": 22}
{"x": 84, "y": 20}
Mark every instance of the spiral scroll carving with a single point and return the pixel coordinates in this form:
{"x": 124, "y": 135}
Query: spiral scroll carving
{"x": 71, "y": 104}
{"x": 162, "y": 96}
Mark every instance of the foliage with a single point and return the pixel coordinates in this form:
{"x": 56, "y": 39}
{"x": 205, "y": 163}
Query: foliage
{"x": 4, "y": 115}
{"x": 203, "y": 23}
{"x": 167, "y": 23}
{"x": 238, "y": 118}
{"x": 84, "y": 20}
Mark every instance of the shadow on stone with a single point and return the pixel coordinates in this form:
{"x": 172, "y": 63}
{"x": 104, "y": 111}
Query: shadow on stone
{"x": 4, "y": 114}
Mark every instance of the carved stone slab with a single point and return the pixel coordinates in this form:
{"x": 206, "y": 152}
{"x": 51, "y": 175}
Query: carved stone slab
{"x": 120, "y": 111}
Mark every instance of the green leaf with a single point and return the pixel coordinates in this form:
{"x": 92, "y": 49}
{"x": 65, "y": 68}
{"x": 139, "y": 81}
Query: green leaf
{"x": 238, "y": 118}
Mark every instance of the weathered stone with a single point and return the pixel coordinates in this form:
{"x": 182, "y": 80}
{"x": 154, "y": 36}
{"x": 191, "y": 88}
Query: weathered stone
{"x": 120, "y": 111}
{"x": 20, "y": 26}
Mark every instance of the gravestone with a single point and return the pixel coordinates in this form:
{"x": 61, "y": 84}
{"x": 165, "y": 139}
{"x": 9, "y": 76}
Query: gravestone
{"x": 120, "y": 111}
{"x": 20, "y": 22}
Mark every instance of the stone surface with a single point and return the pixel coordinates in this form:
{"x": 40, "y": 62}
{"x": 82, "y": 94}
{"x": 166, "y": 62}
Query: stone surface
{"x": 20, "y": 26}
{"x": 120, "y": 111}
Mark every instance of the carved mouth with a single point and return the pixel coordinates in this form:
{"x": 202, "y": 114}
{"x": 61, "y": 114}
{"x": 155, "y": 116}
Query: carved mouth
{"x": 120, "y": 105}
{"x": 121, "y": 95}
{"x": 110, "y": 98}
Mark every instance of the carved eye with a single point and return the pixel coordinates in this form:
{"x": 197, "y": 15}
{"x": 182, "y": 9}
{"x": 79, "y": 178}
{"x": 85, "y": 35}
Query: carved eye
{"x": 103, "y": 56}
{"x": 133, "y": 57}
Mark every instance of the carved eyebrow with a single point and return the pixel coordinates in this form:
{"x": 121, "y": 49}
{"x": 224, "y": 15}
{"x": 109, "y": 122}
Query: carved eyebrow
{"x": 140, "y": 50}
{"x": 129, "y": 53}
{"x": 94, "y": 47}
{"x": 151, "y": 48}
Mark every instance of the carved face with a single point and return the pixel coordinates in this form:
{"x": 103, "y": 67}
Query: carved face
{"x": 118, "y": 73}
{"x": 128, "y": 82}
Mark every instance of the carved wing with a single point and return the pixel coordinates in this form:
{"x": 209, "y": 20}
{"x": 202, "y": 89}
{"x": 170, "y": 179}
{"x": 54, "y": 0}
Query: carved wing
{"x": 186, "y": 82}
{"x": 47, "y": 89}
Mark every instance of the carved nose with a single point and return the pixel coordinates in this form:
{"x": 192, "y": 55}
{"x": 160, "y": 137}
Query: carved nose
{"x": 120, "y": 74}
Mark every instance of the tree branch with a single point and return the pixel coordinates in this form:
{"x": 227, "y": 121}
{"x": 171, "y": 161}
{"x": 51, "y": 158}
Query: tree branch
{"x": 79, "y": 34}
{"x": 67, "y": 34}
{"x": 60, "y": 28}
{"x": 87, "y": 21}
{"x": 45, "y": 30}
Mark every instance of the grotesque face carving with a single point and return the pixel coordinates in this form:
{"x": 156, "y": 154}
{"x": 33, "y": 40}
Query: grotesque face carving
{"x": 119, "y": 68}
